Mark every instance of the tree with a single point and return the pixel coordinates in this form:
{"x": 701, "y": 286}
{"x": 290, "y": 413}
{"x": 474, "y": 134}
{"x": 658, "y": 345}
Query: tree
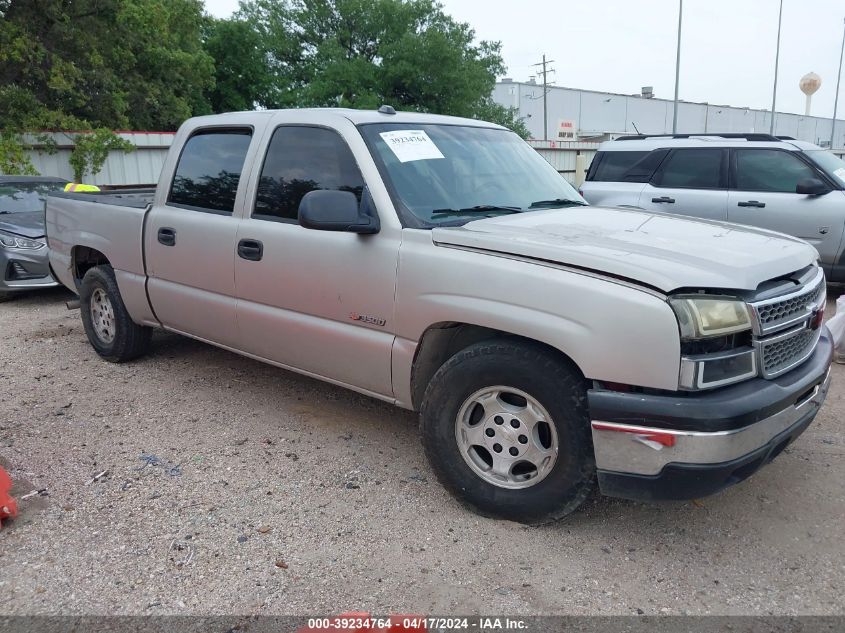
{"x": 91, "y": 150}
{"x": 241, "y": 73}
{"x": 97, "y": 65}
{"x": 362, "y": 53}
{"x": 101, "y": 63}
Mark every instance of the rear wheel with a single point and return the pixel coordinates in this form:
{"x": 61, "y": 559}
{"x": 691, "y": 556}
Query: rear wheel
{"x": 506, "y": 429}
{"x": 110, "y": 329}
{"x": 6, "y": 296}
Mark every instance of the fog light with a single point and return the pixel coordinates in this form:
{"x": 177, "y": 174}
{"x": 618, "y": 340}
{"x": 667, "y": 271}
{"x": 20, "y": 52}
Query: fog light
{"x": 714, "y": 371}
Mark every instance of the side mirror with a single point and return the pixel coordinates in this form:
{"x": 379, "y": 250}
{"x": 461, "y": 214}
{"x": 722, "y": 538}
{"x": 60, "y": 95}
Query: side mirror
{"x": 332, "y": 210}
{"x": 812, "y": 187}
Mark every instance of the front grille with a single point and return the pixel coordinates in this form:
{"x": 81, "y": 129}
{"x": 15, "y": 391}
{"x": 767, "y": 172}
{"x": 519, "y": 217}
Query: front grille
{"x": 781, "y": 353}
{"x": 776, "y": 313}
{"x": 786, "y": 328}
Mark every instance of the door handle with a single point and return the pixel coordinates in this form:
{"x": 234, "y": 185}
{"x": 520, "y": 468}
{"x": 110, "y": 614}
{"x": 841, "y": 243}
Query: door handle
{"x": 665, "y": 199}
{"x": 252, "y": 250}
{"x": 751, "y": 203}
{"x": 167, "y": 236}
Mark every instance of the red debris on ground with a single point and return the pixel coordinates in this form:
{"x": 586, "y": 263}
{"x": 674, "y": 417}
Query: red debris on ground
{"x": 8, "y": 506}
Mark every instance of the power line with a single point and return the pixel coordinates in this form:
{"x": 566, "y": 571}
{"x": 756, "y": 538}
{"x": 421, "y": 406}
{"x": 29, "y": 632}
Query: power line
{"x": 546, "y": 82}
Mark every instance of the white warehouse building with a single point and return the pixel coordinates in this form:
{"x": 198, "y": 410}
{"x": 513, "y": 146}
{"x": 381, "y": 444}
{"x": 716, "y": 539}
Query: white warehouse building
{"x": 589, "y": 115}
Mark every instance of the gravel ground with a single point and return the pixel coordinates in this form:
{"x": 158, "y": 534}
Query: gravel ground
{"x": 232, "y": 487}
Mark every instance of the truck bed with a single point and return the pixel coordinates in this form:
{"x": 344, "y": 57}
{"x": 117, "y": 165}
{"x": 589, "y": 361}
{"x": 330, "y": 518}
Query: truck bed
{"x": 137, "y": 198}
{"x": 101, "y": 225}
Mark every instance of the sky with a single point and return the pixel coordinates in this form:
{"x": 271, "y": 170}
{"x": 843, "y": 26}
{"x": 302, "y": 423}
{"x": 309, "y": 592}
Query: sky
{"x": 727, "y": 46}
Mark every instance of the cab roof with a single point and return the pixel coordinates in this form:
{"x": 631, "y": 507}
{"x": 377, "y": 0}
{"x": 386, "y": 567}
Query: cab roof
{"x": 357, "y": 117}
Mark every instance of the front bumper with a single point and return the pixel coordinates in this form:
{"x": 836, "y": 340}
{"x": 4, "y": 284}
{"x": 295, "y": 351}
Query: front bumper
{"x": 680, "y": 447}
{"x": 23, "y": 269}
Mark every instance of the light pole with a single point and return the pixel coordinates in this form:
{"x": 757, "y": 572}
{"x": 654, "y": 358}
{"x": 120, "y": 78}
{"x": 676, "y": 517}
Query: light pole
{"x": 677, "y": 68}
{"x": 777, "y": 59}
{"x": 836, "y": 100}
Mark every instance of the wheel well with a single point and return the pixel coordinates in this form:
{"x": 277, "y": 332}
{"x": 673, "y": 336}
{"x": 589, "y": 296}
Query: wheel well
{"x": 441, "y": 341}
{"x": 85, "y": 258}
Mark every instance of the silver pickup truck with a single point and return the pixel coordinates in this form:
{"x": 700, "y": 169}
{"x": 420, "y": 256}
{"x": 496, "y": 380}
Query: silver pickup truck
{"x": 442, "y": 265}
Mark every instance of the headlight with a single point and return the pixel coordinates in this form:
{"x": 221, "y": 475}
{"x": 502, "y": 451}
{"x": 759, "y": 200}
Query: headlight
{"x": 9, "y": 240}
{"x": 704, "y": 316}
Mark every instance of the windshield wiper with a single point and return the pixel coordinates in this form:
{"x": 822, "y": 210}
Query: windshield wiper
{"x": 557, "y": 202}
{"x": 479, "y": 208}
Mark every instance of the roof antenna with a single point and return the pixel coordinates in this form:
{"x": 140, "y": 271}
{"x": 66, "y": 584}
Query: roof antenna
{"x": 635, "y": 127}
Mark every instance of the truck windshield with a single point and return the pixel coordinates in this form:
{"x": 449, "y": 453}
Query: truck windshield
{"x": 452, "y": 174}
{"x": 26, "y": 197}
{"x": 830, "y": 163}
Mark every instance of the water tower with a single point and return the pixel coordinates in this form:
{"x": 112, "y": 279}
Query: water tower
{"x": 809, "y": 83}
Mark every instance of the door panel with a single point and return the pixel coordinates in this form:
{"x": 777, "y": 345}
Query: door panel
{"x": 297, "y": 305}
{"x": 318, "y": 301}
{"x": 191, "y": 283}
{"x": 689, "y": 182}
{"x": 189, "y": 238}
{"x": 763, "y": 195}
{"x": 699, "y": 203}
{"x": 817, "y": 219}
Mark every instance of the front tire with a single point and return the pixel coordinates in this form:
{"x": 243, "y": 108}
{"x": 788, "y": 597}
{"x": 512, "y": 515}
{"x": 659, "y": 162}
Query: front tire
{"x": 505, "y": 427}
{"x": 110, "y": 330}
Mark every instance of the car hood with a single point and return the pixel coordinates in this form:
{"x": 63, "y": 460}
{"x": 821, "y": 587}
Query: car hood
{"x": 29, "y": 224}
{"x": 664, "y": 251}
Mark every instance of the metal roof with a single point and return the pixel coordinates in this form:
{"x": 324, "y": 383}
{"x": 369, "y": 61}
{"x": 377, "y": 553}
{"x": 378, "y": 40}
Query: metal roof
{"x": 21, "y": 179}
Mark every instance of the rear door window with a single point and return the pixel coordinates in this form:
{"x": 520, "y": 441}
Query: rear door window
{"x": 613, "y": 165}
{"x": 691, "y": 169}
{"x": 209, "y": 170}
{"x": 770, "y": 170}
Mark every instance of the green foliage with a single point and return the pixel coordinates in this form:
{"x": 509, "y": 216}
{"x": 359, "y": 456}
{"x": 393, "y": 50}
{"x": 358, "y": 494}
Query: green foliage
{"x": 101, "y": 63}
{"x": 362, "y": 53}
{"x": 13, "y": 158}
{"x": 241, "y": 74}
{"x": 507, "y": 117}
{"x": 91, "y": 150}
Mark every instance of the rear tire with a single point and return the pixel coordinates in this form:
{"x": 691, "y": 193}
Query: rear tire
{"x": 6, "y": 296}
{"x": 505, "y": 427}
{"x": 110, "y": 330}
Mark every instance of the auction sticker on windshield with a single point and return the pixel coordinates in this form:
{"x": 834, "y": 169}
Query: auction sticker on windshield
{"x": 409, "y": 145}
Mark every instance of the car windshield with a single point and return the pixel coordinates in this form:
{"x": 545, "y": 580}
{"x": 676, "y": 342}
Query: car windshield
{"x": 26, "y": 197}
{"x": 830, "y": 163}
{"x": 452, "y": 174}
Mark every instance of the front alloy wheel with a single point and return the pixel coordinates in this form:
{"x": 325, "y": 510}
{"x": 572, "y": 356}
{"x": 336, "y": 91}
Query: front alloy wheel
{"x": 506, "y": 438}
{"x": 505, "y": 426}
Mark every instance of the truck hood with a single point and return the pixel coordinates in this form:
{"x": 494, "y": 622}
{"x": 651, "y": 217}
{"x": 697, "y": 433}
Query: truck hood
{"x": 664, "y": 251}
{"x": 28, "y": 224}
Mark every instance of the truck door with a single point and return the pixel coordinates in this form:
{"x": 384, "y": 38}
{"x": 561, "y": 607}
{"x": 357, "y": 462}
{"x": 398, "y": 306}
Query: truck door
{"x": 317, "y": 301}
{"x": 189, "y": 238}
{"x": 690, "y": 181}
{"x": 763, "y": 195}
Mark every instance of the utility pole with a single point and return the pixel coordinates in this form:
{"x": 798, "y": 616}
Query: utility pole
{"x": 836, "y": 100}
{"x": 777, "y": 58}
{"x": 677, "y": 69}
{"x": 546, "y": 83}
